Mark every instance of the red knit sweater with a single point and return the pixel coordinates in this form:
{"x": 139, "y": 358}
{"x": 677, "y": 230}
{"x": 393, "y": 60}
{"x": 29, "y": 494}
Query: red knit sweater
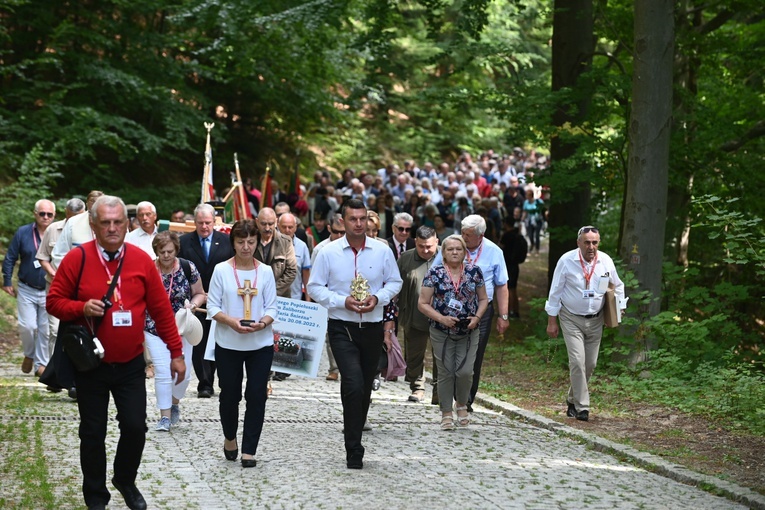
{"x": 140, "y": 289}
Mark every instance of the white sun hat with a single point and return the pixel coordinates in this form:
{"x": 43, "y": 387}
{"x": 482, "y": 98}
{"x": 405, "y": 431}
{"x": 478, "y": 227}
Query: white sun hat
{"x": 189, "y": 327}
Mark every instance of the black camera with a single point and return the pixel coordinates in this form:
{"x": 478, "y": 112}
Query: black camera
{"x": 247, "y": 323}
{"x": 462, "y": 323}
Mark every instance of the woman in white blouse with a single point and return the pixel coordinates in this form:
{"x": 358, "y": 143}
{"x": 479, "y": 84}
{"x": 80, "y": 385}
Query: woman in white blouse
{"x": 242, "y": 302}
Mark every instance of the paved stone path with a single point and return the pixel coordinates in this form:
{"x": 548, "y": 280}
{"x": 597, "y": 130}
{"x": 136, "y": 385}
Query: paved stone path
{"x": 496, "y": 462}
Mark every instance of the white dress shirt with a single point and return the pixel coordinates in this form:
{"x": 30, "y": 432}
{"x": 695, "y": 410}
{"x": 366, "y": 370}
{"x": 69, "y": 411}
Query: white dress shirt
{"x": 336, "y": 265}
{"x": 303, "y": 259}
{"x": 76, "y": 231}
{"x": 143, "y": 240}
{"x": 568, "y": 284}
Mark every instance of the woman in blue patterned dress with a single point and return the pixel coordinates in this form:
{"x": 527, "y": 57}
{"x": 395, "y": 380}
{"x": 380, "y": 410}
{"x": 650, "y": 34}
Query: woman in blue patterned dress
{"x": 453, "y": 297}
{"x": 182, "y": 291}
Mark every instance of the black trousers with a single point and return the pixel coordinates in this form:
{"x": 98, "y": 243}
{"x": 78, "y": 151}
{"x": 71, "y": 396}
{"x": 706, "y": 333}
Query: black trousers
{"x": 231, "y": 365}
{"x": 204, "y": 370}
{"x": 357, "y": 351}
{"x": 484, "y": 330}
{"x": 127, "y": 384}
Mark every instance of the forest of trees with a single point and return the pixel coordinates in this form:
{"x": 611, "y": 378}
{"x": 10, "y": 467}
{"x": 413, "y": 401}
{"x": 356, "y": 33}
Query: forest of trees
{"x": 653, "y": 112}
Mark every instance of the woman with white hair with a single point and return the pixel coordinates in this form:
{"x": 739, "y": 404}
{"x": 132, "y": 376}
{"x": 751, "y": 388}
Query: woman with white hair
{"x": 453, "y": 296}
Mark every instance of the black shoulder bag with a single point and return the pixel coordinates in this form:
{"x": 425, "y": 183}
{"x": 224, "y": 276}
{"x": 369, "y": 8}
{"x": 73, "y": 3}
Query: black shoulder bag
{"x": 79, "y": 342}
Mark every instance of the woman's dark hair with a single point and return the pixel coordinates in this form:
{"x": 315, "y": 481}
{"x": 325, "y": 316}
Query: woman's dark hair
{"x": 243, "y": 229}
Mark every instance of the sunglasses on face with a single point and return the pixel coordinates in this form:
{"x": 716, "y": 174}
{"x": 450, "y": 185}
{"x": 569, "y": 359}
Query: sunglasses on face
{"x": 44, "y": 214}
{"x": 587, "y": 230}
{"x": 404, "y": 229}
{"x": 338, "y": 232}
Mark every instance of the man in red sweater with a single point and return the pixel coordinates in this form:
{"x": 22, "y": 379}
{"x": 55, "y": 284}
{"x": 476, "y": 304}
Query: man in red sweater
{"x": 119, "y": 327}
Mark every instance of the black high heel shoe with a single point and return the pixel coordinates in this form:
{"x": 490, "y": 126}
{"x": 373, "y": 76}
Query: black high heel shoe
{"x": 248, "y": 463}
{"x": 230, "y": 454}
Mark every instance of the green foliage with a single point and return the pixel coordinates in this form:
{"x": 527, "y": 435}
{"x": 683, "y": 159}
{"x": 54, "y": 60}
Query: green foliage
{"x": 36, "y": 176}
{"x": 741, "y": 234}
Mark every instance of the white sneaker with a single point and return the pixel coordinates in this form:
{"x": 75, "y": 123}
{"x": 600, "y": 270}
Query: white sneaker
{"x": 163, "y": 425}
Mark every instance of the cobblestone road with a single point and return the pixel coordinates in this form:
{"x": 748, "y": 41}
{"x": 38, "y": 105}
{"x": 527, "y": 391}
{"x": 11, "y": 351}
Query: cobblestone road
{"x": 496, "y": 462}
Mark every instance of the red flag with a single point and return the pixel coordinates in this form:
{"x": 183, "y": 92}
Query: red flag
{"x": 266, "y": 193}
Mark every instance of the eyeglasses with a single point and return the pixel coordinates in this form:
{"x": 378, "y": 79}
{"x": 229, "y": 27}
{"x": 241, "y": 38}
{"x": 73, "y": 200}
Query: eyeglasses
{"x": 587, "y": 230}
{"x": 404, "y": 229}
{"x": 338, "y": 232}
{"x": 44, "y": 214}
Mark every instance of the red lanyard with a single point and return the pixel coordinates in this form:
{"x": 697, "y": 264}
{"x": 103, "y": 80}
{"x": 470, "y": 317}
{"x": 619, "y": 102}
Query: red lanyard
{"x": 117, "y": 294}
{"x": 477, "y": 255}
{"x": 236, "y": 276}
{"x": 356, "y": 257}
{"x": 587, "y": 277}
{"x": 169, "y": 290}
{"x": 451, "y": 278}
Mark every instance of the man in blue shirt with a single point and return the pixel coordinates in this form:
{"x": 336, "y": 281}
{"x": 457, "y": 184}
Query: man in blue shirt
{"x": 30, "y": 295}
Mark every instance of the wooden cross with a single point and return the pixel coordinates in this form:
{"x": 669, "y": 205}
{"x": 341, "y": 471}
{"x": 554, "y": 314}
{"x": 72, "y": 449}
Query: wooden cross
{"x": 247, "y": 292}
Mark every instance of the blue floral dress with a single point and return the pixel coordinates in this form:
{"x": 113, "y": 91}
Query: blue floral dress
{"x": 181, "y": 291}
{"x": 443, "y": 292}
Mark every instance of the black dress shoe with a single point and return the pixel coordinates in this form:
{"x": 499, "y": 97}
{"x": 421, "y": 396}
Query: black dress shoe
{"x": 355, "y": 460}
{"x": 470, "y": 407}
{"x": 231, "y": 454}
{"x": 133, "y": 498}
{"x": 571, "y": 411}
{"x": 205, "y": 393}
{"x": 248, "y": 463}
{"x": 97, "y": 506}
{"x": 72, "y": 392}
{"x": 583, "y": 415}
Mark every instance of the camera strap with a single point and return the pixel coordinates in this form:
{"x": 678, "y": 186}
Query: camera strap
{"x": 107, "y": 297}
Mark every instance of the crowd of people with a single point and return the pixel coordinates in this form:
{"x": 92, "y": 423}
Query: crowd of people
{"x": 428, "y": 255}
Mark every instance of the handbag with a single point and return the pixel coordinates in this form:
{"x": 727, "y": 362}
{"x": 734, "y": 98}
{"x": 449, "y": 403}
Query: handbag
{"x": 610, "y": 309}
{"x": 84, "y": 349}
{"x": 79, "y": 342}
{"x": 396, "y": 364}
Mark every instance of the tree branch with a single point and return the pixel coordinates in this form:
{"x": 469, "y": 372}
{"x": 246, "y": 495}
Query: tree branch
{"x": 756, "y": 131}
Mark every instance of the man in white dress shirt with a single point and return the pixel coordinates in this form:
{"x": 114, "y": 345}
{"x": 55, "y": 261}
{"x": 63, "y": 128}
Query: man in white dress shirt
{"x": 355, "y": 328}
{"x": 142, "y": 237}
{"x": 579, "y": 282}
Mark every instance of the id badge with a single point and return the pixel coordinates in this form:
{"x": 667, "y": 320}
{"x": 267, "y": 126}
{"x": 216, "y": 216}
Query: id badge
{"x": 122, "y": 318}
{"x": 588, "y": 293}
{"x": 455, "y": 305}
{"x": 36, "y": 263}
{"x": 602, "y": 284}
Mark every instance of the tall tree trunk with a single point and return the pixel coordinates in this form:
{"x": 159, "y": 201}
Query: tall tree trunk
{"x": 572, "y": 50}
{"x": 645, "y": 211}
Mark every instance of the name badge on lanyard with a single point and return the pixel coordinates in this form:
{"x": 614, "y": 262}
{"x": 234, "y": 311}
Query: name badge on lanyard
{"x": 122, "y": 318}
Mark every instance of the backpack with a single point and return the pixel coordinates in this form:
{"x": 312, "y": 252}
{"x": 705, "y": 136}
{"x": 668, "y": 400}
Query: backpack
{"x": 186, "y": 266}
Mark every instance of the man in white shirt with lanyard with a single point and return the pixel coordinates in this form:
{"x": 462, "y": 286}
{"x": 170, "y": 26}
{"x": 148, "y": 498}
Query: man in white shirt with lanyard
{"x": 355, "y": 330}
{"x": 488, "y": 256}
{"x": 579, "y": 282}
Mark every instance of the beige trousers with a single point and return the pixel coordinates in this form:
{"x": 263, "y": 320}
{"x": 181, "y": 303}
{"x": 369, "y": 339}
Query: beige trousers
{"x": 582, "y": 338}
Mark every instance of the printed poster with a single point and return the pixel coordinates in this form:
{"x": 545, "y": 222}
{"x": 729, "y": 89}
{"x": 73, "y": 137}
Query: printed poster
{"x": 299, "y": 334}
